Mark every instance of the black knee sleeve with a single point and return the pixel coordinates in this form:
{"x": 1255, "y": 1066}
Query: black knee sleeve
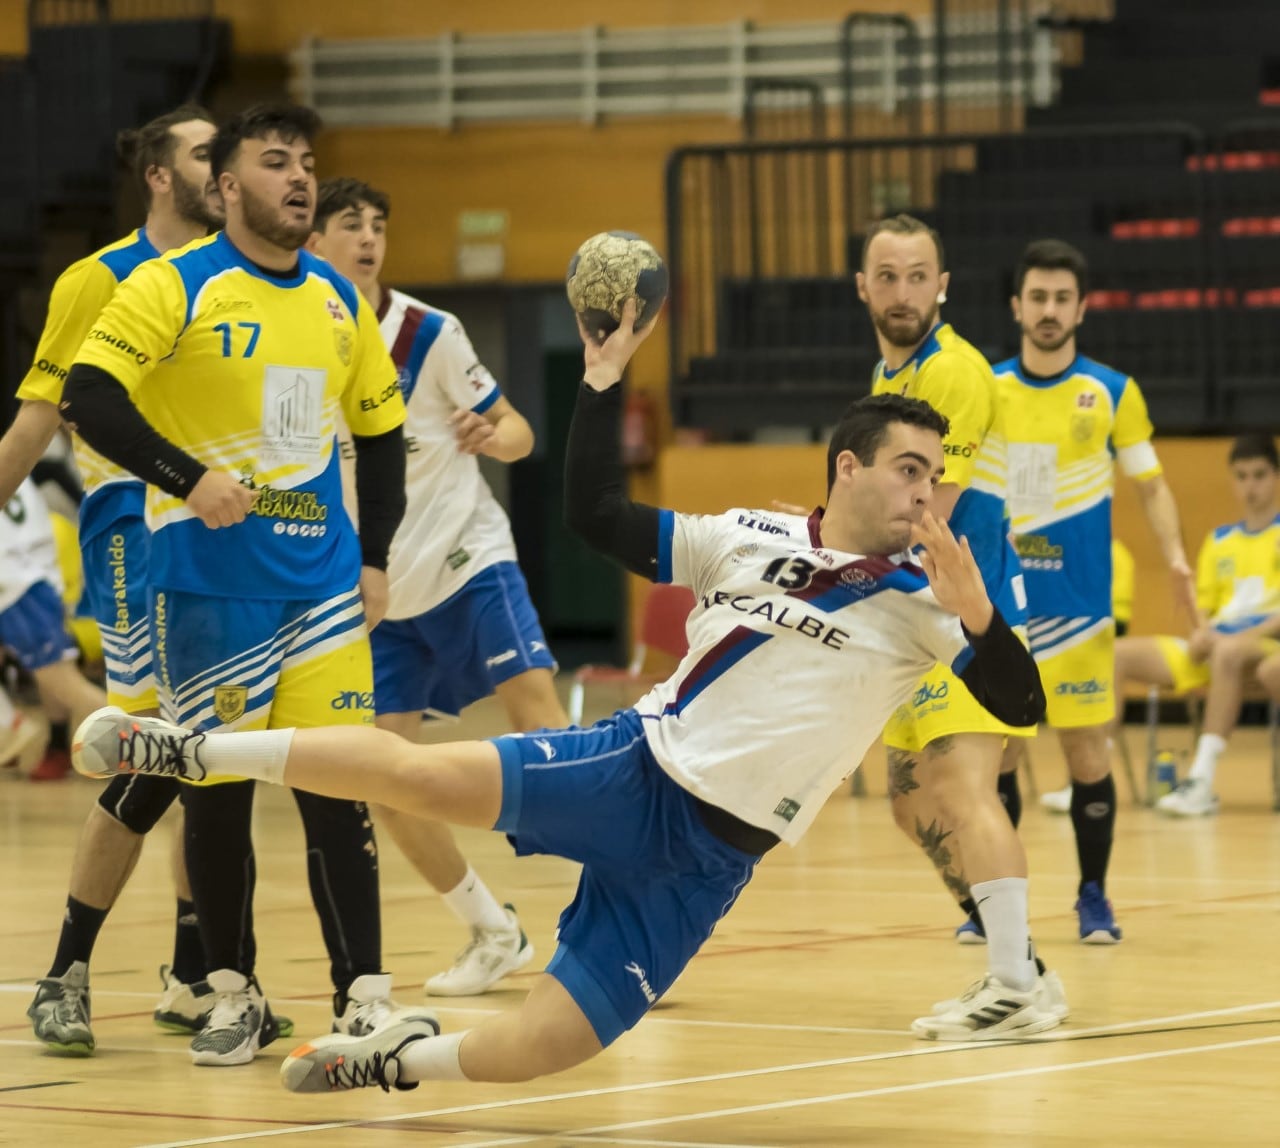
{"x": 342, "y": 866}
{"x": 138, "y": 801}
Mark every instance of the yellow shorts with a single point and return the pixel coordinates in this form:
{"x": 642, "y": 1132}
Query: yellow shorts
{"x": 246, "y": 665}
{"x": 1188, "y": 675}
{"x": 1079, "y": 681}
{"x": 941, "y": 706}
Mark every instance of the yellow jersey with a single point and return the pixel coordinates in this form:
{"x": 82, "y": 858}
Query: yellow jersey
{"x": 1238, "y": 576}
{"x": 246, "y": 370}
{"x": 78, "y": 297}
{"x": 953, "y": 377}
{"x": 1066, "y": 434}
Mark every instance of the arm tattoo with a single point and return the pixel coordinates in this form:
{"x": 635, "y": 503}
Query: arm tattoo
{"x": 902, "y": 770}
{"x": 932, "y": 839}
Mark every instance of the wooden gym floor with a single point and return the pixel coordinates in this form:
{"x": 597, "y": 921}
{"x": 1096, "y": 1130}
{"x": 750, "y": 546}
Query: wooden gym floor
{"x": 791, "y": 1028}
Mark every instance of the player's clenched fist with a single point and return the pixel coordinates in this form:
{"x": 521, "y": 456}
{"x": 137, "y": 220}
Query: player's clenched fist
{"x": 218, "y": 499}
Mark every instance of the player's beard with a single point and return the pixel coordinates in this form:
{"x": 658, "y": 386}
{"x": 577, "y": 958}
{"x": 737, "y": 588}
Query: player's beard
{"x": 1049, "y": 341}
{"x": 191, "y": 202}
{"x": 265, "y": 222}
{"x": 903, "y": 332}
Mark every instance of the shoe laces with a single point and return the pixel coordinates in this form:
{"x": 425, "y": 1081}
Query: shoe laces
{"x": 229, "y": 1010}
{"x": 71, "y": 1005}
{"x": 362, "y": 1071}
{"x": 161, "y": 753}
{"x": 369, "y": 1015}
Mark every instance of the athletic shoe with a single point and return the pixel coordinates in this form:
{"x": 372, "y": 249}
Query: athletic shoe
{"x": 367, "y": 1006}
{"x": 1097, "y": 921}
{"x": 1191, "y": 798}
{"x": 240, "y": 1022}
{"x": 990, "y": 1010}
{"x": 110, "y": 741}
{"x": 1057, "y": 800}
{"x": 339, "y": 1062}
{"x": 20, "y": 735}
{"x": 490, "y": 956}
{"x": 182, "y": 1007}
{"x": 60, "y": 1012}
{"x": 1052, "y": 997}
{"x": 970, "y": 933}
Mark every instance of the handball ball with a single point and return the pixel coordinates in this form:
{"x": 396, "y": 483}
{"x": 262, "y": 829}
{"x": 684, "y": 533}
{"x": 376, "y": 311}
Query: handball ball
{"x": 606, "y": 271}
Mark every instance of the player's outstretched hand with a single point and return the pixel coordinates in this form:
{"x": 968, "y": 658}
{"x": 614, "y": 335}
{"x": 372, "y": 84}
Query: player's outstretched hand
{"x": 606, "y": 361}
{"x": 953, "y": 573}
{"x": 788, "y": 507}
{"x": 474, "y": 433}
{"x": 218, "y": 499}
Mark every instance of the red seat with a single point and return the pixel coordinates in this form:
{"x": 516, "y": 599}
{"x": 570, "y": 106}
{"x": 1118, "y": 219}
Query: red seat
{"x": 662, "y": 628}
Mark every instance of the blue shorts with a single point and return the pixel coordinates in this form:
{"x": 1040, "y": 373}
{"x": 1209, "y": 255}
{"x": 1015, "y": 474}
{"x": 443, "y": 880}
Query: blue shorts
{"x": 654, "y": 880}
{"x": 115, "y": 584}
{"x": 35, "y": 629}
{"x": 461, "y": 650}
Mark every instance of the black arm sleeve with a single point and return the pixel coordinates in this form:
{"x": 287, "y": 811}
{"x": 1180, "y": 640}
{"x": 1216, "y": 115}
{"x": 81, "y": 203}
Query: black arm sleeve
{"x": 1003, "y": 675}
{"x": 380, "y": 493}
{"x": 100, "y": 411}
{"x": 596, "y": 506}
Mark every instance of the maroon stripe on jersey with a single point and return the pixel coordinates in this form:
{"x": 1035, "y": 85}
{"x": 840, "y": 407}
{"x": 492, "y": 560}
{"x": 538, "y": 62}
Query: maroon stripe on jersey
{"x": 815, "y": 529}
{"x": 413, "y": 317}
{"x": 707, "y": 662}
{"x": 860, "y": 570}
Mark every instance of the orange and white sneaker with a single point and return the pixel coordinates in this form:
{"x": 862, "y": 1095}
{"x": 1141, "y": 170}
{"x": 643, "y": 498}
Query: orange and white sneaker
{"x": 339, "y": 1062}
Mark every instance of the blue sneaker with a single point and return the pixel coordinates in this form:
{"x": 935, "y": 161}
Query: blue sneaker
{"x": 970, "y": 933}
{"x": 1097, "y": 921}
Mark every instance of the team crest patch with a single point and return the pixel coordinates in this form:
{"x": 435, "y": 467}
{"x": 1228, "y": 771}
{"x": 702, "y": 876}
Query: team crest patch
{"x": 229, "y": 702}
{"x": 342, "y": 344}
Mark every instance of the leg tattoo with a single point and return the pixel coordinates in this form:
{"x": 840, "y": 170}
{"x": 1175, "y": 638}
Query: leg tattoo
{"x": 902, "y": 773}
{"x": 932, "y": 839}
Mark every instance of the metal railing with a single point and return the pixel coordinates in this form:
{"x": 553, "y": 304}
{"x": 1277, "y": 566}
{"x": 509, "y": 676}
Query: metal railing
{"x": 1182, "y": 234}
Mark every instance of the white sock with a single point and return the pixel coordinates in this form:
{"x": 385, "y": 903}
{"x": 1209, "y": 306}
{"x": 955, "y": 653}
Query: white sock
{"x": 433, "y": 1058}
{"x": 475, "y": 906}
{"x": 1002, "y": 904}
{"x": 8, "y": 715}
{"x": 1208, "y": 749}
{"x": 260, "y": 754}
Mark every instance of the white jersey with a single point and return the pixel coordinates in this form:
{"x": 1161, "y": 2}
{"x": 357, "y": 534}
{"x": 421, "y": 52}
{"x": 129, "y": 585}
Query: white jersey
{"x": 798, "y": 655}
{"x": 28, "y": 553}
{"x": 453, "y": 527}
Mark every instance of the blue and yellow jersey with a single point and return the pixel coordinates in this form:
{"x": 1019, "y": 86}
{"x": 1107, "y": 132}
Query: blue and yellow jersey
{"x": 1066, "y": 434}
{"x": 954, "y": 378}
{"x": 79, "y": 295}
{"x": 1238, "y": 576}
{"x": 246, "y": 370}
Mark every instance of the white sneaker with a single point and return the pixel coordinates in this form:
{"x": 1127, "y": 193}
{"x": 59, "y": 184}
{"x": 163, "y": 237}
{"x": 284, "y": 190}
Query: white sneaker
{"x": 490, "y": 956}
{"x": 990, "y": 1010}
{"x": 368, "y": 1006}
{"x": 1057, "y": 801}
{"x": 1191, "y": 798}
{"x": 60, "y": 1012}
{"x": 182, "y": 1007}
{"x": 17, "y": 738}
{"x": 1053, "y": 997}
{"x": 340, "y": 1062}
{"x": 240, "y": 1022}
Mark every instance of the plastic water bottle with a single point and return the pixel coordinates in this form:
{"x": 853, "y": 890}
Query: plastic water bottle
{"x": 1166, "y": 772}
